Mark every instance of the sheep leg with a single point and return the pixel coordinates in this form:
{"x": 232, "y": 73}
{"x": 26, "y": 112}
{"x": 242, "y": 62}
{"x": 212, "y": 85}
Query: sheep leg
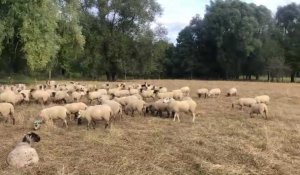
{"x": 88, "y": 125}
{"x": 175, "y": 115}
{"x": 94, "y": 124}
{"x": 66, "y": 123}
{"x": 194, "y": 116}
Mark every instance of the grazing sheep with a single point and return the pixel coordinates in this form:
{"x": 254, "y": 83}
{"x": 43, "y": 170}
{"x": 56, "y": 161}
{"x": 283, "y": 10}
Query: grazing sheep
{"x": 52, "y": 113}
{"x": 7, "y": 111}
{"x": 259, "y": 108}
{"x": 177, "y": 94}
{"x": 40, "y": 95}
{"x": 263, "y": 99}
{"x": 136, "y": 105}
{"x": 147, "y": 94}
{"x": 185, "y": 90}
{"x": 74, "y": 108}
{"x": 181, "y": 106}
{"x": 10, "y": 97}
{"x": 60, "y": 96}
{"x": 125, "y": 100}
{"x": 98, "y": 112}
{"x": 203, "y": 92}
{"x": 76, "y": 96}
{"x": 164, "y": 95}
{"x": 232, "y": 92}
{"x": 244, "y": 102}
{"x": 23, "y": 154}
{"x": 214, "y": 92}
{"x": 159, "y": 107}
{"x": 115, "y": 107}
{"x": 95, "y": 95}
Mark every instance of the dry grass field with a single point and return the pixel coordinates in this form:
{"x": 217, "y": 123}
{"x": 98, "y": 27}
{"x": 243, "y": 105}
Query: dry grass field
{"x": 221, "y": 141}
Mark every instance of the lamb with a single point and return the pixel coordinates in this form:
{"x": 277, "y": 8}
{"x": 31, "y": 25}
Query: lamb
{"x": 232, "y": 92}
{"x": 177, "y": 94}
{"x": 181, "y": 106}
{"x": 52, "y": 113}
{"x": 185, "y": 90}
{"x": 115, "y": 107}
{"x": 10, "y": 97}
{"x": 263, "y": 99}
{"x": 60, "y": 96}
{"x": 135, "y": 105}
{"x": 74, "y": 108}
{"x": 244, "y": 102}
{"x": 203, "y": 92}
{"x": 23, "y": 154}
{"x": 7, "y": 111}
{"x": 259, "y": 108}
{"x": 39, "y": 95}
{"x": 98, "y": 112}
{"x": 214, "y": 92}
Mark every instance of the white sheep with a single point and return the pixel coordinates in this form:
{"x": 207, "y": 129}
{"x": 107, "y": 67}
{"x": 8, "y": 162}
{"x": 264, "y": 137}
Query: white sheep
{"x": 125, "y": 100}
{"x": 95, "y": 95}
{"x": 259, "y": 108}
{"x": 135, "y": 105}
{"x": 162, "y": 95}
{"x": 98, "y": 112}
{"x": 121, "y": 93}
{"x": 60, "y": 96}
{"x": 115, "y": 107}
{"x": 185, "y": 90}
{"x": 74, "y": 108}
{"x": 7, "y": 111}
{"x": 76, "y": 96}
{"x": 158, "y": 106}
{"x": 133, "y": 91}
{"x": 177, "y": 94}
{"x": 187, "y": 106}
{"x": 52, "y": 113}
{"x": 147, "y": 94}
{"x": 162, "y": 90}
{"x": 40, "y": 95}
{"x": 263, "y": 99}
{"x": 232, "y": 92}
{"x": 23, "y": 154}
{"x": 214, "y": 92}
{"x": 26, "y": 95}
{"x": 11, "y": 97}
{"x": 244, "y": 102}
{"x": 202, "y": 91}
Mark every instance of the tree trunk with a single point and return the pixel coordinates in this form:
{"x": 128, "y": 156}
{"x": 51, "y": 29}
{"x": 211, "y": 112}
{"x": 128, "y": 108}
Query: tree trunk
{"x": 293, "y": 76}
{"x": 113, "y": 76}
{"x": 256, "y": 77}
{"x": 108, "y": 77}
{"x": 269, "y": 76}
{"x": 50, "y": 75}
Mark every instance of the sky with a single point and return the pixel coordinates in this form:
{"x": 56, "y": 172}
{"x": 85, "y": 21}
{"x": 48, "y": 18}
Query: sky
{"x": 178, "y": 13}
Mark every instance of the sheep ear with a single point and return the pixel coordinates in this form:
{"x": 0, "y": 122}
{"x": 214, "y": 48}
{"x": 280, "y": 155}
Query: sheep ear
{"x": 24, "y": 96}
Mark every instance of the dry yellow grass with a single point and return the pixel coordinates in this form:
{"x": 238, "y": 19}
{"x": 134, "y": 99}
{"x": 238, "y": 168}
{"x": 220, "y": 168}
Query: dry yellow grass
{"x": 221, "y": 141}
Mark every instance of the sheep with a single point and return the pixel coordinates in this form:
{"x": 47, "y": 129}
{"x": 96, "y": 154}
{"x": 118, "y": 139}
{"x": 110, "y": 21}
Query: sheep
{"x": 202, "y": 91}
{"x": 177, "y": 94}
{"x": 26, "y": 95}
{"x": 162, "y": 90}
{"x": 40, "y": 95}
{"x": 135, "y": 105}
{"x": 232, "y": 92}
{"x": 160, "y": 95}
{"x": 40, "y": 87}
{"x": 105, "y": 86}
{"x": 98, "y": 112}
{"x": 20, "y": 87}
{"x": 214, "y": 92}
{"x": 52, "y": 113}
{"x": 125, "y": 100}
{"x": 74, "y": 108}
{"x": 147, "y": 94}
{"x": 244, "y": 102}
{"x": 7, "y": 110}
{"x": 185, "y": 90}
{"x": 181, "y": 106}
{"x": 76, "y": 96}
{"x": 159, "y": 106}
{"x": 113, "y": 90}
{"x": 51, "y": 83}
{"x": 133, "y": 91}
{"x": 23, "y": 154}
{"x": 259, "y": 108}
{"x": 121, "y": 93}
{"x": 10, "y": 97}
{"x": 115, "y": 107}
{"x": 263, "y": 99}
{"x": 60, "y": 96}
{"x": 95, "y": 95}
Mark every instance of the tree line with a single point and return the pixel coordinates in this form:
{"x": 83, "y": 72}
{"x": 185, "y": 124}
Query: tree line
{"x": 115, "y": 38}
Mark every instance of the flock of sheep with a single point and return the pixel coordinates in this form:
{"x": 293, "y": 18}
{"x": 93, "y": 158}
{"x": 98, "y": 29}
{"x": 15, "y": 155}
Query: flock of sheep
{"x": 107, "y": 103}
